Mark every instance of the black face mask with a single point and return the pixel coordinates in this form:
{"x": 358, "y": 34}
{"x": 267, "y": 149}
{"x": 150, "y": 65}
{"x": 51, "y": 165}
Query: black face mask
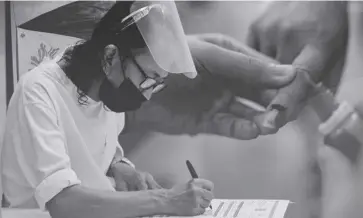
{"x": 122, "y": 99}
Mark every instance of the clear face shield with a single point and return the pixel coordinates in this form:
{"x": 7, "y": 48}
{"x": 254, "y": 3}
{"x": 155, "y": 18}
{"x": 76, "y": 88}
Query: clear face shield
{"x": 162, "y": 31}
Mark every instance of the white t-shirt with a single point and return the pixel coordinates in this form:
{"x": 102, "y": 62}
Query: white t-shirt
{"x": 52, "y": 142}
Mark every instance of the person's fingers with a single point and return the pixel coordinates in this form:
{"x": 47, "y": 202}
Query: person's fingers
{"x": 266, "y": 122}
{"x": 257, "y": 95}
{"x": 229, "y": 125}
{"x": 236, "y": 66}
{"x": 289, "y": 99}
{"x": 232, "y": 44}
{"x": 198, "y": 211}
{"x": 151, "y": 183}
{"x": 313, "y": 59}
{"x": 204, "y": 203}
{"x": 359, "y": 107}
{"x": 204, "y": 184}
{"x": 264, "y": 96}
{"x": 139, "y": 183}
{"x": 245, "y": 108}
{"x": 121, "y": 186}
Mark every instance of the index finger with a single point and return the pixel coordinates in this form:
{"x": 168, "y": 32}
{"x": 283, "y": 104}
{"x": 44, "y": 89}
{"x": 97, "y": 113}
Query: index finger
{"x": 204, "y": 184}
{"x": 232, "y": 44}
{"x": 236, "y": 66}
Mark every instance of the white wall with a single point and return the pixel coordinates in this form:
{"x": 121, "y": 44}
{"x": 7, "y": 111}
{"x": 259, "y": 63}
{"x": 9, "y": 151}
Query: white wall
{"x": 2, "y": 78}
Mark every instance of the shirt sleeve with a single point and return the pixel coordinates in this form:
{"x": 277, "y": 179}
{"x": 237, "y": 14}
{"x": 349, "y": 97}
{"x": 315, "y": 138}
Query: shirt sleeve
{"x": 46, "y": 164}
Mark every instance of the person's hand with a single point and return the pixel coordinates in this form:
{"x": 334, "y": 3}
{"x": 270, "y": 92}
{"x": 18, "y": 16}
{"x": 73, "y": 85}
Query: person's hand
{"x": 128, "y": 178}
{"x": 207, "y": 104}
{"x": 190, "y": 199}
{"x": 310, "y": 35}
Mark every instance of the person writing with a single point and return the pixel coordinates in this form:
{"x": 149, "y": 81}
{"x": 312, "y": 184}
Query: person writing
{"x": 60, "y": 150}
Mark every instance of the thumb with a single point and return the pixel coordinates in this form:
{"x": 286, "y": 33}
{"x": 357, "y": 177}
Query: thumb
{"x": 227, "y": 64}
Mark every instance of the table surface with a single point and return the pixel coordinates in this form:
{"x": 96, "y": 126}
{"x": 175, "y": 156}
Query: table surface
{"x": 26, "y": 213}
{"x": 33, "y": 213}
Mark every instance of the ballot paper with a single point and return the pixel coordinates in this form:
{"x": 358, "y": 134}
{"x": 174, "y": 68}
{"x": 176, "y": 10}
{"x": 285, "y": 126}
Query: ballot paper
{"x": 229, "y": 208}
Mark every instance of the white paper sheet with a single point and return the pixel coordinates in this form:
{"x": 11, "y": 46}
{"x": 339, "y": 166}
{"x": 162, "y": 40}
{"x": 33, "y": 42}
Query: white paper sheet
{"x": 229, "y": 208}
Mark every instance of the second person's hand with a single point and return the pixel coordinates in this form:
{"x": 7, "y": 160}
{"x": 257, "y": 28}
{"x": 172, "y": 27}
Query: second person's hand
{"x": 313, "y": 37}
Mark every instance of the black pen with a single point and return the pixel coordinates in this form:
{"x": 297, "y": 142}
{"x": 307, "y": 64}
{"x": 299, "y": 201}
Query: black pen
{"x": 193, "y": 173}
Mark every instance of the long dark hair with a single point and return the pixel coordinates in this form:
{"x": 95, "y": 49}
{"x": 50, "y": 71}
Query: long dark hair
{"x": 85, "y": 60}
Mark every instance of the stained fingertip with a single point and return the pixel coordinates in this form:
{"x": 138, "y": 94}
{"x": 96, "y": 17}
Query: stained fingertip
{"x": 270, "y": 119}
{"x": 245, "y": 130}
{"x": 266, "y": 122}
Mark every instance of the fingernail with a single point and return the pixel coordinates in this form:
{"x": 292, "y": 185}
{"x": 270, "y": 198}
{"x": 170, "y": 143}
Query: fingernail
{"x": 147, "y": 83}
{"x": 158, "y": 88}
{"x": 284, "y": 70}
{"x": 264, "y": 125}
{"x": 270, "y": 119}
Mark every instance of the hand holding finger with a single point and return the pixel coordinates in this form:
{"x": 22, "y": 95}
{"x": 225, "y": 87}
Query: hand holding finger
{"x": 289, "y": 100}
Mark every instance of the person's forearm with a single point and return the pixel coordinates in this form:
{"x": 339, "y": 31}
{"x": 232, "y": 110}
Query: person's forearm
{"x": 81, "y": 202}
